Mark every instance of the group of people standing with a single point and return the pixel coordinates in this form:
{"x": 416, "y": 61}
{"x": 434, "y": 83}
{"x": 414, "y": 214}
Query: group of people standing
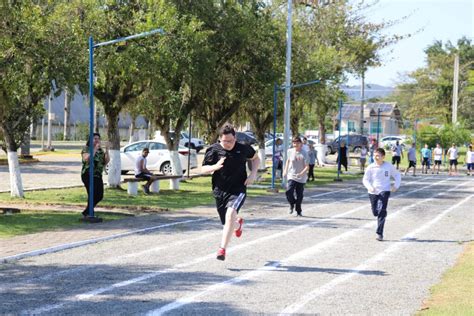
{"x": 435, "y": 158}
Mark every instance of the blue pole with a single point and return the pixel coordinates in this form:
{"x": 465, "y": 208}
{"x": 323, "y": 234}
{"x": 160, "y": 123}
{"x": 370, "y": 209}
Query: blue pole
{"x": 339, "y": 142}
{"x": 91, "y": 127}
{"x": 275, "y": 94}
{"x": 378, "y": 126}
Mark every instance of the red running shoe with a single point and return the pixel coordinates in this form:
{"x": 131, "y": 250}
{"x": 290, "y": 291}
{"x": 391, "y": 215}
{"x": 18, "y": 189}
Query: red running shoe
{"x": 221, "y": 254}
{"x": 238, "y": 231}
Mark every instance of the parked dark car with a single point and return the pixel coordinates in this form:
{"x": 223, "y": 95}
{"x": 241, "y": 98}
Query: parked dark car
{"x": 355, "y": 143}
{"x": 245, "y": 138}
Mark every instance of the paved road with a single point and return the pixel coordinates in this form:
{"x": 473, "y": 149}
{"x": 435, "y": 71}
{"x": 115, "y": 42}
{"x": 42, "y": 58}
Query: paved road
{"x": 327, "y": 262}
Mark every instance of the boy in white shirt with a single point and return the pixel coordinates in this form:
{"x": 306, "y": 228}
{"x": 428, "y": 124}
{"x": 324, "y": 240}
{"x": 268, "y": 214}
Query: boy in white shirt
{"x": 377, "y": 181}
{"x": 438, "y": 156}
{"x": 470, "y": 161}
{"x": 453, "y": 160}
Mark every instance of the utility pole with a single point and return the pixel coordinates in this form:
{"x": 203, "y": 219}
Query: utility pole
{"x": 50, "y": 118}
{"x": 362, "y": 97}
{"x": 286, "y": 132}
{"x": 455, "y": 89}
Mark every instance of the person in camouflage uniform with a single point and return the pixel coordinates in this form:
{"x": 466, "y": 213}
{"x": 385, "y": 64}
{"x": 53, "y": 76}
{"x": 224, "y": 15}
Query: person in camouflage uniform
{"x": 101, "y": 159}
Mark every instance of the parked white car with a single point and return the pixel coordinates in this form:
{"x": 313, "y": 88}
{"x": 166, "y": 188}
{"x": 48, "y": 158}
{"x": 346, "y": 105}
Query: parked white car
{"x": 196, "y": 143}
{"x": 158, "y": 159}
{"x": 389, "y": 141}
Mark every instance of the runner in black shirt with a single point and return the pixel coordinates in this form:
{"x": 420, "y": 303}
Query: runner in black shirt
{"x": 228, "y": 160}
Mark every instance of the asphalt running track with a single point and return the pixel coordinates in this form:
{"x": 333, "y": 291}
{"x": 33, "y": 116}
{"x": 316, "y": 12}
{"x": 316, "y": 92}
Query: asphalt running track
{"x": 327, "y": 262}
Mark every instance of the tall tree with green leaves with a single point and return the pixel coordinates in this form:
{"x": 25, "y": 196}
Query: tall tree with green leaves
{"x": 33, "y": 46}
{"x": 177, "y": 69}
{"x": 427, "y": 92}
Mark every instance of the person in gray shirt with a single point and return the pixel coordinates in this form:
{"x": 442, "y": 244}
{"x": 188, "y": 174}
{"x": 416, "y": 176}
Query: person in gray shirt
{"x": 411, "y": 159}
{"x": 296, "y": 169}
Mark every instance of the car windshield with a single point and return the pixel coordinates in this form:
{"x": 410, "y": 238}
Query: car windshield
{"x": 185, "y": 135}
{"x": 136, "y": 147}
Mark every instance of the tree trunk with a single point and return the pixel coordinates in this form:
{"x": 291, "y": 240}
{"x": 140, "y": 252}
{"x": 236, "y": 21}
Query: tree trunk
{"x": 67, "y": 114}
{"x": 131, "y": 130}
{"x": 16, "y": 186}
{"x": 322, "y": 131}
{"x": 114, "y": 140}
{"x": 25, "y": 146}
{"x": 261, "y": 155}
{"x": 176, "y": 167}
{"x": 96, "y": 121}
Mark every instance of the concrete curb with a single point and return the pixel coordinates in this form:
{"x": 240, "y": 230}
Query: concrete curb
{"x": 91, "y": 241}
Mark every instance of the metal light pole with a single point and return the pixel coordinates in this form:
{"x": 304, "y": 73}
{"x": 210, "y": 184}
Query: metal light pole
{"x": 362, "y": 99}
{"x": 455, "y": 89}
{"x": 339, "y": 144}
{"x": 49, "y": 146}
{"x": 286, "y": 133}
{"x": 189, "y": 145}
{"x": 275, "y": 95}
{"x": 91, "y": 218}
{"x": 378, "y": 126}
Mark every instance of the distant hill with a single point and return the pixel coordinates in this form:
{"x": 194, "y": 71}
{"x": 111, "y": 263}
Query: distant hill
{"x": 371, "y": 91}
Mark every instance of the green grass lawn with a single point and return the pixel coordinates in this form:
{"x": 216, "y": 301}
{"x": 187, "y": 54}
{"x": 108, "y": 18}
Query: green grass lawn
{"x": 454, "y": 295}
{"x": 28, "y": 222}
{"x": 194, "y": 192}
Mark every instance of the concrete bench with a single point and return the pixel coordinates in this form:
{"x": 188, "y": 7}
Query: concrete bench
{"x": 132, "y": 183}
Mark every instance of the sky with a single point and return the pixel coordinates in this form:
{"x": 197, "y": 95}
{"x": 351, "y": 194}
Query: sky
{"x": 436, "y": 19}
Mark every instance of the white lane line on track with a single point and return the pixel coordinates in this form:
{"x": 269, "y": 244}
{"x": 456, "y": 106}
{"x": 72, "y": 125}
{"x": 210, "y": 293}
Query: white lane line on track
{"x": 121, "y": 235}
{"x": 293, "y": 308}
{"x": 93, "y": 293}
{"x": 256, "y": 223}
{"x": 268, "y": 268}
{"x": 92, "y": 241}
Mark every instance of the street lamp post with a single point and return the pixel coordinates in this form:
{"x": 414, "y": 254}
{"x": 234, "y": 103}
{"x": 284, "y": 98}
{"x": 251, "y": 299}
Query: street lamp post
{"x": 338, "y": 178}
{"x": 378, "y": 126}
{"x": 91, "y": 218}
{"x": 286, "y": 132}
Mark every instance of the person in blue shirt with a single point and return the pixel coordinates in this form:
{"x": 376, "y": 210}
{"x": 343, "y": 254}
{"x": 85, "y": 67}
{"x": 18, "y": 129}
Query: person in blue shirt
{"x": 425, "y": 158}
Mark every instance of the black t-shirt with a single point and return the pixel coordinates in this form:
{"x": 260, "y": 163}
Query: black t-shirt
{"x": 231, "y": 177}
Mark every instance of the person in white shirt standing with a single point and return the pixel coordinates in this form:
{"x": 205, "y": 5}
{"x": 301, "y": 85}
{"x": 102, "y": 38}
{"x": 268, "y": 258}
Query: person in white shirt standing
{"x": 377, "y": 181}
{"x": 397, "y": 154}
{"x": 437, "y": 157}
{"x": 470, "y": 161}
{"x": 453, "y": 160}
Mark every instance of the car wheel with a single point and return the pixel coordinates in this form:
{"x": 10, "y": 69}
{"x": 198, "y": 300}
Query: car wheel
{"x": 166, "y": 168}
{"x": 357, "y": 150}
{"x": 123, "y": 172}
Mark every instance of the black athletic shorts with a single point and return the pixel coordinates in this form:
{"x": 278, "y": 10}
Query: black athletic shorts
{"x": 395, "y": 159}
{"x": 224, "y": 200}
{"x": 425, "y": 161}
{"x": 453, "y": 162}
{"x": 412, "y": 164}
{"x": 437, "y": 162}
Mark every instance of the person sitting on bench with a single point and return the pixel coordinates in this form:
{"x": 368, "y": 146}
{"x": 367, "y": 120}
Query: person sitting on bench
{"x": 141, "y": 172}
